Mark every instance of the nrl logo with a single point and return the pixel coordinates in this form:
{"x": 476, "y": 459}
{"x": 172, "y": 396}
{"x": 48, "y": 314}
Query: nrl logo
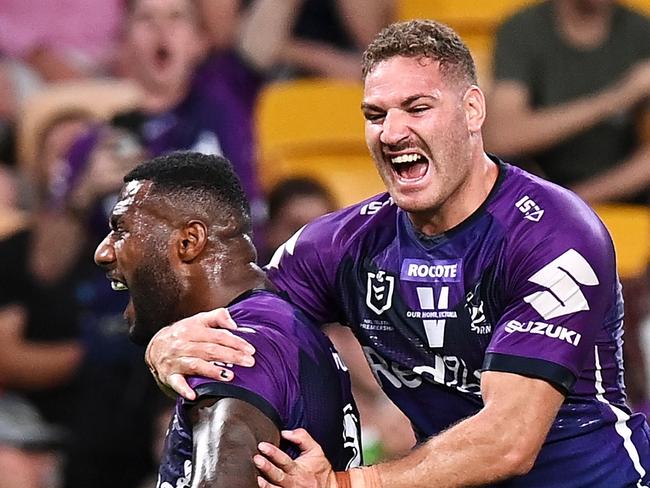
{"x": 379, "y": 297}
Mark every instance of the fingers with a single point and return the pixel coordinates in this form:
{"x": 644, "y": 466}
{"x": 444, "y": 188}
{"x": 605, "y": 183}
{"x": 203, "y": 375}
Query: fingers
{"x": 273, "y": 470}
{"x": 262, "y": 483}
{"x": 303, "y": 440}
{"x": 179, "y": 385}
{"x": 278, "y": 457}
{"x": 218, "y": 318}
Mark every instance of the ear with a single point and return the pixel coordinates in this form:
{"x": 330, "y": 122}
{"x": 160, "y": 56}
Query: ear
{"x": 474, "y": 105}
{"x": 192, "y": 241}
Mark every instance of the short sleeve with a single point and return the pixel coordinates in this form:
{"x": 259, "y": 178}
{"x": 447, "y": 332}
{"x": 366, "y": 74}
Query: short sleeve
{"x": 561, "y": 293}
{"x": 270, "y": 385}
{"x": 513, "y": 59}
{"x": 305, "y": 269}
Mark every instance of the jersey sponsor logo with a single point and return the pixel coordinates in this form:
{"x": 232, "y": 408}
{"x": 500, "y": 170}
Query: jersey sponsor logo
{"x": 379, "y": 295}
{"x": 542, "y": 328}
{"x": 374, "y": 207}
{"x": 433, "y": 314}
{"x": 451, "y": 371}
{"x": 530, "y": 209}
{"x": 351, "y": 436}
{"x": 562, "y": 277}
{"x": 447, "y": 270}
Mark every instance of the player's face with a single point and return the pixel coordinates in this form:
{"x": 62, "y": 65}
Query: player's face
{"x": 417, "y": 132}
{"x": 135, "y": 255}
{"x": 164, "y": 41}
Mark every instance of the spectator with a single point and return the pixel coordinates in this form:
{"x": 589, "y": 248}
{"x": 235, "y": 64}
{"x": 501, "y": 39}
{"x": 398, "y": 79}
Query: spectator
{"x": 312, "y": 37}
{"x": 571, "y": 80}
{"x": 293, "y": 203}
{"x": 61, "y": 40}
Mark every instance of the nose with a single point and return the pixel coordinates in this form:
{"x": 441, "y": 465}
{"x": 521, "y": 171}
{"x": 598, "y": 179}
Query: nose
{"x": 105, "y": 253}
{"x": 395, "y": 127}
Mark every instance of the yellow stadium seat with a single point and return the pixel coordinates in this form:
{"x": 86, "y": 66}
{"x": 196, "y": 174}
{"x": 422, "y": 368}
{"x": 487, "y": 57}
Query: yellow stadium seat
{"x": 99, "y": 98}
{"x": 629, "y": 226}
{"x": 642, "y": 6}
{"x": 314, "y": 127}
{"x": 475, "y": 21}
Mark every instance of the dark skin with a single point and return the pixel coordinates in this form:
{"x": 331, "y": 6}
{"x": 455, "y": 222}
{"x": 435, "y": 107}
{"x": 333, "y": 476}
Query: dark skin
{"x": 198, "y": 264}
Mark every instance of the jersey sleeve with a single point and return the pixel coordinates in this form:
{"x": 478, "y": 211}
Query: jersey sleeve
{"x": 270, "y": 385}
{"x": 305, "y": 269}
{"x": 513, "y": 59}
{"x": 560, "y": 294}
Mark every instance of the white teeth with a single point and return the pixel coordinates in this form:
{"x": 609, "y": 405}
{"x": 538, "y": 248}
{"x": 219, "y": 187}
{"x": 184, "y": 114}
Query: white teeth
{"x": 406, "y": 158}
{"x": 118, "y": 286}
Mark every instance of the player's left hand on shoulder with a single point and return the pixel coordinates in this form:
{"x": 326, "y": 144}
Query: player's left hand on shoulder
{"x": 310, "y": 470}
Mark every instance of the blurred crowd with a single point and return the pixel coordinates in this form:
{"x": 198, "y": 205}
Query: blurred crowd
{"x": 88, "y": 89}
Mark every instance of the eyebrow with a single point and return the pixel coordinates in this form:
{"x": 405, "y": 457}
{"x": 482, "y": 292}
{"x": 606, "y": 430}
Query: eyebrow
{"x": 405, "y": 103}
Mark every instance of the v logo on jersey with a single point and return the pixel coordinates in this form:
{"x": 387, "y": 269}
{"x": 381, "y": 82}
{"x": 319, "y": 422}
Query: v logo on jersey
{"x": 562, "y": 277}
{"x": 379, "y": 296}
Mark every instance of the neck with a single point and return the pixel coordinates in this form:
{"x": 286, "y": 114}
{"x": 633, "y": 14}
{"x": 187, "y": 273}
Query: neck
{"x": 158, "y": 98}
{"x": 583, "y": 24}
{"x": 463, "y": 202}
{"x": 217, "y": 280}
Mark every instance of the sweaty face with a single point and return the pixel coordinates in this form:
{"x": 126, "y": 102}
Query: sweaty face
{"x": 164, "y": 41}
{"x": 416, "y": 131}
{"x": 136, "y": 257}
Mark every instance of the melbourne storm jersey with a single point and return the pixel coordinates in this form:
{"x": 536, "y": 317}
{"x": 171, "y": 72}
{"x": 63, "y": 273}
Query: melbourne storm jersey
{"x": 298, "y": 381}
{"x": 525, "y": 285}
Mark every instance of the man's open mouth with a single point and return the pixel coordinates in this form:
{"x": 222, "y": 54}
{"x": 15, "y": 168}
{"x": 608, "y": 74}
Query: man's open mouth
{"x": 410, "y": 166}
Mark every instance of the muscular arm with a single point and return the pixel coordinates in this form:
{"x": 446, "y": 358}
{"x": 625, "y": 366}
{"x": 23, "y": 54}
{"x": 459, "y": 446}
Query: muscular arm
{"x": 226, "y": 434}
{"x": 501, "y": 441}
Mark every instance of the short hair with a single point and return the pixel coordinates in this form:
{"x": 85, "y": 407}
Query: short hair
{"x": 286, "y": 190}
{"x": 422, "y": 38}
{"x": 205, "y": 184}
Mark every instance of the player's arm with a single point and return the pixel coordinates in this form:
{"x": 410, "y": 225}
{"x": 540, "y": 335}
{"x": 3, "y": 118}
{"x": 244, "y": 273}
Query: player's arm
{"x": 514, "y": 127}
{"x": 226, "y": 432}
{"x": 500, "y": 442}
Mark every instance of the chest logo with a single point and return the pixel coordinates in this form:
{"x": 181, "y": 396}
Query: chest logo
{"x": 379, "y": 296}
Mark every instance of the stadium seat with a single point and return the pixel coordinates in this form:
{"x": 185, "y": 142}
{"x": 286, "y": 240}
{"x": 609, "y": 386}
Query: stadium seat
{"x": 475, "y": 20}
{"x": 629, "y": 226}
{"x": 99, "y": 98}
{"x": 642, "y": 6}
{"x": 314, "y": 127}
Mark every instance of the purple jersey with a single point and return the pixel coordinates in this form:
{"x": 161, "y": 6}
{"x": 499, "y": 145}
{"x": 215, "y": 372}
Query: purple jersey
{"x": 298, "y": 380}
{"x": 525, "y": 285}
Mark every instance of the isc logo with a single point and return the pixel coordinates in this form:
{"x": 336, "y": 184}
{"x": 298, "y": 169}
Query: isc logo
{"x": 374, "y": 207}
{"x": 529, "y": 208}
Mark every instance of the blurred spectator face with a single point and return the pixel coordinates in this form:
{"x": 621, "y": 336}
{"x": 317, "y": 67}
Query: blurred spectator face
{"x": 57, "y": 138}
{"x": 593, "y": 6}
{"x": 164, "y": 41}
{"x": 295, "y": 213}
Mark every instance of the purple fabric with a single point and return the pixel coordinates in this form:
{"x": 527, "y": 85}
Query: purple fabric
{"x": 525, "y": 285}
{"x": 296, "y": 382}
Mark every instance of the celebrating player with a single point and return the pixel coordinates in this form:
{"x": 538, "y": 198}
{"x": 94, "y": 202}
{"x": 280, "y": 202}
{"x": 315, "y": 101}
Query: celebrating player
{"x": 180, "y": 243}
{"x": 486, "y": 299}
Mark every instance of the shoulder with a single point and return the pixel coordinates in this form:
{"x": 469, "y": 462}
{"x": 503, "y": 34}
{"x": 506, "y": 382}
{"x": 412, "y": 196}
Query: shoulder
{"x": 526, "y": 18}
{"x": 336, "y": 232}
{"x": 544, "y": 219}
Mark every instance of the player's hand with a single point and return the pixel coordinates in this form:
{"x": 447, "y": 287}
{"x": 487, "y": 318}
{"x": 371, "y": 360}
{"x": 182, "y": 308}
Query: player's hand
{"x": 199, "y": 345}
{"x": 310, "y": 470}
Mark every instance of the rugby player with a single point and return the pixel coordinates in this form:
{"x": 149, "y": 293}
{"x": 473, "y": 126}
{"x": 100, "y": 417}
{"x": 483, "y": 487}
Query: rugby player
{"x": 486, "y": 299}
{"x": 180, "y": 244}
